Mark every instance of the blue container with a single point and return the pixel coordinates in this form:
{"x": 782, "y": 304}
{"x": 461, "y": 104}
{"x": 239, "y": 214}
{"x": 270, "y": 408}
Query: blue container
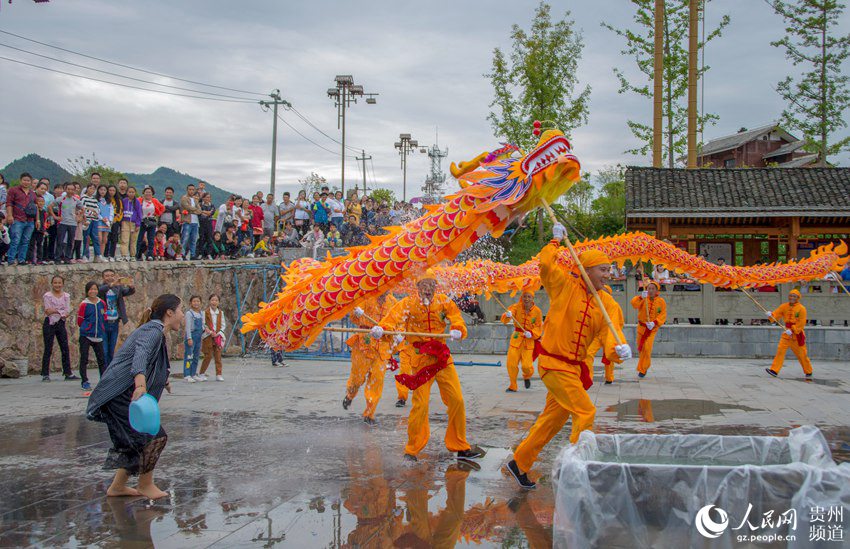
{"x": 144, "y": 415}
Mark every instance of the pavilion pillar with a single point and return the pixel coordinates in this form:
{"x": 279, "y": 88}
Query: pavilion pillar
{"x": 793, "y": 237}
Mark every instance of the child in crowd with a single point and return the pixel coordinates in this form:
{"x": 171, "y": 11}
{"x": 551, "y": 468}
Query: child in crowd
{"x": 36, "y": 252}
{"x": 217, "y": 246}
{"x": 263, "y": 247}
{"x": 91, "y": 318}
{"x": 245, "y": 248}
{"x": 57, "y": 307}
{"x": 333, "y": 238}
{"x": 173, "y": 250}
{"x": 213, "y": 338}
{"x": 314, "y": 240}
{"x": 231, "y": 242}
{"x": 192, "y": 343}
{"x": 5, "y": 239}
{"x": 159, "y": 246}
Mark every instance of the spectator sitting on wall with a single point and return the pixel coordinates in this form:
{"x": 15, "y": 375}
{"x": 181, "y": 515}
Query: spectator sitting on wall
{"x": 333, "y": 238}
{"x": 231, "y": 242}
{"x": 245, "y": 248}
{"x": 217, "y": 249}
{"x": 173, "y": 249}
{"x": 289, "y": 237}
{"x": 159, "y": 242}
{"x": 263, "y": 247}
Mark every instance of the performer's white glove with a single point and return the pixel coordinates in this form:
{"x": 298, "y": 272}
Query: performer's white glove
{"x": 789, "y": 333}
{"x": 559, "y": 231}
{"x": 455, "y": 335}
{"x": 509, "y": 315}
{"x": 650, "y": 325}
{"x": 623, "y": 351}
{"x": 398, "y": 338}
{"x": 358, "y": 311}
{"x": 377, "y": 332}
{"x": 527, "y": 335}
{"x": 644, "y": 294}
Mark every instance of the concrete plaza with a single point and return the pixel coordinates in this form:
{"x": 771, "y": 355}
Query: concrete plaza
{"x": 270, "y": 458}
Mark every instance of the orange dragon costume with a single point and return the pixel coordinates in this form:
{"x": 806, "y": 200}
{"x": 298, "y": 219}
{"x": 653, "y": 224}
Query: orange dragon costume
{"x": 526, "y": 322}
{"x": 793, "y": 317}
{"x": 619, "y": 320}
{"x": 368, "y": 357}
{"x": 429, "y": 360}
{"x": 652, "y": 314}
{"x": 573, "y": 322}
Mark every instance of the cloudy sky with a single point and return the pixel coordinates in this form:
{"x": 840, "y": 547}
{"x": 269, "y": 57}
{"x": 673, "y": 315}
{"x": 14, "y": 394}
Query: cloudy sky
{"x": 425, "y": 59}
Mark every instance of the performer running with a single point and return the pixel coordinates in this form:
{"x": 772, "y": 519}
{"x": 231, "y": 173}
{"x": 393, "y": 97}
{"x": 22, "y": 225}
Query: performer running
{"x": 429, "y": 359}
{"x": 793, "y": 315}
{"x": 652, "y": 314}
{"x": 574, "y": 320}
{"x": 619, "y": 320}
{"x": 369, "y": 357}
{"x": 527, "y": 319}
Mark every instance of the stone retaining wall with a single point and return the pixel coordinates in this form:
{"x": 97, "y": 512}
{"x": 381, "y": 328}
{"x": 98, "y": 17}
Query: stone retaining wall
{"x": 22, "y": 288}
{"x": 824, "y": 343}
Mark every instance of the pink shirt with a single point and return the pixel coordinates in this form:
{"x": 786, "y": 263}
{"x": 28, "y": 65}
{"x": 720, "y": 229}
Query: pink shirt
{"x": 61, "y": 304}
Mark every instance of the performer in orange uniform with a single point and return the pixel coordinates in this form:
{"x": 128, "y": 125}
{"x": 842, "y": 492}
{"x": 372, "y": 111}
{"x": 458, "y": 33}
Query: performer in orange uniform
{"x": 652, "y": 314}
{"x": 793, "y": 315}
{"x": 527, "y": 320}
{"x": 619, "y": 320}
{"x": 574, "y": 320}
{"x": 368, "y": 357}
{"x": 429, "y": 359}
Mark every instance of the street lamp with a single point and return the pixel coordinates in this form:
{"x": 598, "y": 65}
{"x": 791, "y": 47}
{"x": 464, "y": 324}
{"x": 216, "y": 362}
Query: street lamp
{"x": 405, "y": 146}
{"x": 345, "y": 93}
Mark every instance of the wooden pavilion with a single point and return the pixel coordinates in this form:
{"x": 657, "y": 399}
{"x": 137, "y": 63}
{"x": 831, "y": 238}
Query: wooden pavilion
{"x": 744, "y": 216}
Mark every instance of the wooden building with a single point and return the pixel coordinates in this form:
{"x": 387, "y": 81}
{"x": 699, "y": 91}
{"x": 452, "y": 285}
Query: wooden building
{"x": 765, "y": 146}
{"x": 745, "y": 215}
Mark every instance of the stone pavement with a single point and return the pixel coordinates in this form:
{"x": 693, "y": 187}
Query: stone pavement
{"x": 270, "y": 458}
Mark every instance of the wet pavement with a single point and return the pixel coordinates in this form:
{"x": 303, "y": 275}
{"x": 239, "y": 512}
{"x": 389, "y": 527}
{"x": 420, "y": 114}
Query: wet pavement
{"x": 270, "y": 458}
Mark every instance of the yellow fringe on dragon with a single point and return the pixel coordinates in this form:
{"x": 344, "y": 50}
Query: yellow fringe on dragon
{"x": 483, "y": 277}
{"x": 496, "y": 190}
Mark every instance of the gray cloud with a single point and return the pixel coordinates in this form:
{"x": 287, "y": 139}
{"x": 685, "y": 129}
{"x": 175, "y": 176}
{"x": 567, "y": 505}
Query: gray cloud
{"x": 425, "y": 59}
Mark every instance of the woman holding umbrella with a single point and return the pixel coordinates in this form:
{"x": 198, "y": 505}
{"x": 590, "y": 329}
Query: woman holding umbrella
{"x": 140, "y": 366}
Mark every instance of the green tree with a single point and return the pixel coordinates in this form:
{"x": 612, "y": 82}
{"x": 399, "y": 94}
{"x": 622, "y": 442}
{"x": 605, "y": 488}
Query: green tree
{"x": 640, "y": 45}
{"x": 538, "y": 80}
{"x": 818, "y": 97}
{"x": 609, "y": 209}
{"x": 383, "y": 196}
{"x": 81, "y": 168}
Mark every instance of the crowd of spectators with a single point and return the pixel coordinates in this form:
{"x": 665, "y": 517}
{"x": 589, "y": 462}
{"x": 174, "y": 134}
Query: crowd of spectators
{"x": 93, "y": 221}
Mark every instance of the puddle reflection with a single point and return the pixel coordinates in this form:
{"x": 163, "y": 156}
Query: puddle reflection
{"x": 650, "y": 411}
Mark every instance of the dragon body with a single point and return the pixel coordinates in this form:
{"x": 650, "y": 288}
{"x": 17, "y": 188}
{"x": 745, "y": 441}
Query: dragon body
{"x": 496, "y": 190}
{"x": 482, "y": 276}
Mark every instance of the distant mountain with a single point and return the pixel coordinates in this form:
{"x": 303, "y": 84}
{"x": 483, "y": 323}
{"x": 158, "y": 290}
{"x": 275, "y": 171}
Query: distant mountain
{"x": 166, "y": 177}
{"x": 39, "y": 167}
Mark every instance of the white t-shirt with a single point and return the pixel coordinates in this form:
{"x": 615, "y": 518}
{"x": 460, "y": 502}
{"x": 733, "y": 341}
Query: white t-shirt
{"x": 193, "y": 218}
{"x": 337, "y": 208}
{"x": 303, "y": 213}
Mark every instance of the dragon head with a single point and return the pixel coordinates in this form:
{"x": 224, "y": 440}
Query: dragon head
{"x": 519, "y": 184}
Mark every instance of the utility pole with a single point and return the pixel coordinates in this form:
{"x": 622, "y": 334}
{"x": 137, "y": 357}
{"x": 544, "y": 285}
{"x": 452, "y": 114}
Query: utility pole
{"x": 276, "y": 100}
{"x": 344, "y": 94}
{"x": 364, "y": 158}
{"x": 693, "y": 46}
{"x": 658, "y": 83}
{"x": 405, "y": 146}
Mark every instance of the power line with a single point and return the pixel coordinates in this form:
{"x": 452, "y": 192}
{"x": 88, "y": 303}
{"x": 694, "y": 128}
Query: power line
{"x": 119, "y": 75}
{"x": 130, "y": 67}
{"x": 127, "y": 85}
{"x": 293, "y": 128}
{"x": 309, "y": 123}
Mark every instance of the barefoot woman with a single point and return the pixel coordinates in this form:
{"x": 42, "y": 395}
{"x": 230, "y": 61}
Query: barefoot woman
{"x": 140, "y": 366}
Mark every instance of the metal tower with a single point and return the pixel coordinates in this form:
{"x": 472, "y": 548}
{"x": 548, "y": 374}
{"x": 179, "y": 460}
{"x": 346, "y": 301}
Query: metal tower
{"x": 435, "y": 183}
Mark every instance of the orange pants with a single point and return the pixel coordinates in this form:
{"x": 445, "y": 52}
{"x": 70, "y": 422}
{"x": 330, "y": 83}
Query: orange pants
{"x": 645, "y": 360}
{"x": 403, "y": 368}
{"x": 366, "y": 367}
{"x": 418, "y": 428}
{"x": 516, "y": 356}
{"x": 210, "y": 350}
{"x": 802, "y": 354}
{"x": 592, "y": 349}
{"x": 565, "y": 399}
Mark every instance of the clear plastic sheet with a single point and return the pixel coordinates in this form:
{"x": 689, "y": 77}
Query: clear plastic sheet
{"x": 646, "y": 490}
